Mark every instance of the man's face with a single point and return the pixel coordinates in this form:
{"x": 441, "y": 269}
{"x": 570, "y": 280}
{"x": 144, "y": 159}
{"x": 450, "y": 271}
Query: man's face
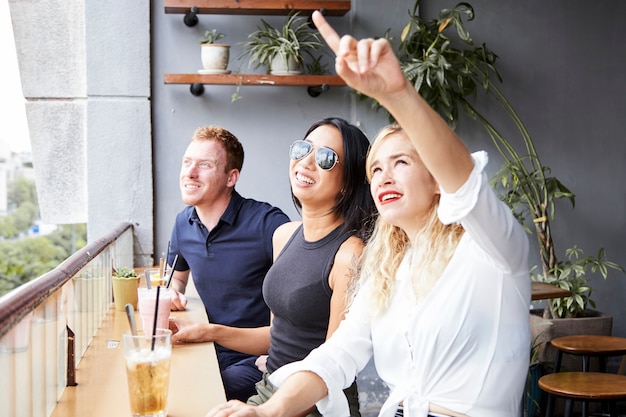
{"x": 203, "y": 175}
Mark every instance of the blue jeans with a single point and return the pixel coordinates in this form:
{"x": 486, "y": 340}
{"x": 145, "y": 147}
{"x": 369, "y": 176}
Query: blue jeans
{"x": 239, "y": 379}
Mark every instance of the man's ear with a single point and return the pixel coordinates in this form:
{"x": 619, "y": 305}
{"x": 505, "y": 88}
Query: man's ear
{"x": 233, "y": 177}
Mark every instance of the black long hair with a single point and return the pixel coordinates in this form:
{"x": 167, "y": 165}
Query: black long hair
{"x": 355, "y": 204}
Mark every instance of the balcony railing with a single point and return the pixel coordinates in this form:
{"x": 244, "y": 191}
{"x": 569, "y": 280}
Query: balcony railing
{"x": 47, "y": 324}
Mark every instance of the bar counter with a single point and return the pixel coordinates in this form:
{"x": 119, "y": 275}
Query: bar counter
{"x": 102, "y": 390}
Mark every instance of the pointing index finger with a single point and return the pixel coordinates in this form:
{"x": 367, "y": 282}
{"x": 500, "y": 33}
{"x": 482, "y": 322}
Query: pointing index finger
{"x": 328, "y": 33}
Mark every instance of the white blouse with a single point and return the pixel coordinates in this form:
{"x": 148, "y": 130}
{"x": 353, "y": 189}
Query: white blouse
{"x": 465, "y": 346}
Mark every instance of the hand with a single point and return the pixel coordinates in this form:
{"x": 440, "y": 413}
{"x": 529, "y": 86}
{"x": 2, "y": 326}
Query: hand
{"x": 238, "y": 409}
{"x": 188, "y": 331}
{"x": 368, "y": 65}
{"x": 179, "y": 301}
{"x": 261, "y": 363}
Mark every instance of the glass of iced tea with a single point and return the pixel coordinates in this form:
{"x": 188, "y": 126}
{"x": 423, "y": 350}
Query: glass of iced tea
{"x": 148, "y": 372}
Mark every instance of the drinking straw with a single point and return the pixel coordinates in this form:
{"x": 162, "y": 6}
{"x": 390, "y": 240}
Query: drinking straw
{"x": 148, "y": 282}
{"x": 167, "y": 255}
{"x": 156, "y": 315}
{"x": 130, "y": 313}
{"x": 161, "y": 266}
{"x": 169, "y": 279}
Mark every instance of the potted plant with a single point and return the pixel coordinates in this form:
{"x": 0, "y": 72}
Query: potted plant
{"x": 125, "y": 284}
{"x": 282, "y": 50}
{"x": 215, "y": 56}
{"x": 449, "y": 77}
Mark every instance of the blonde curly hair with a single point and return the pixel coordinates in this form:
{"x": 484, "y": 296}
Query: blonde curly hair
{"x": 435, "y": 245}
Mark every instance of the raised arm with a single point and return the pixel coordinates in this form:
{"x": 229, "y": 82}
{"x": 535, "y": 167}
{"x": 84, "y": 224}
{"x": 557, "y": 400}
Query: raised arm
{"x": 371, "y": 67}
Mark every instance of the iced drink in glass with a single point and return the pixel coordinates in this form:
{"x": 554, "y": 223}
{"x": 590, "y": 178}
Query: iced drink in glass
{"x": 148, "y": 372}
{"x": 155, "y": 277}
{"x": 146, "y": 303}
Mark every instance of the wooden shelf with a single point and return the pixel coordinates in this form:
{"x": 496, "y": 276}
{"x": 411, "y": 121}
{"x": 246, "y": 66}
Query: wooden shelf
{"x": 254, "y": 79}
{"x": 316, "y": 83}
{"x": 258, "y": 7}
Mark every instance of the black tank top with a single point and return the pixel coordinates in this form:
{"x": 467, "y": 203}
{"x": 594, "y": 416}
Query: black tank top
{"x": 297, "y": 292}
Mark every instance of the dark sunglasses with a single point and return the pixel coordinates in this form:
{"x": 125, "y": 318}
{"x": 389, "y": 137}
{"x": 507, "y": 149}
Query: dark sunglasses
{"x": 325, "y": 157}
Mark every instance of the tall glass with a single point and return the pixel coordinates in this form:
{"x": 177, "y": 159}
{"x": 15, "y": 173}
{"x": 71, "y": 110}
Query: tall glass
{"x": 148, "y": 372}
{"x": 147, "y": 302}
{"x": 155, "y": 276}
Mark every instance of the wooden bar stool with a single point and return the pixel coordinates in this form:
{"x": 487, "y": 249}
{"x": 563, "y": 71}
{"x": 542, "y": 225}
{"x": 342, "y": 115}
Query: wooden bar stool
{"x": 585, "y": 386}
{"x": 588, "y": 346}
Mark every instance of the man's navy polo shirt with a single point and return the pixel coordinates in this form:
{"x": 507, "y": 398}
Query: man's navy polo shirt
{"x": 228, "y": 264}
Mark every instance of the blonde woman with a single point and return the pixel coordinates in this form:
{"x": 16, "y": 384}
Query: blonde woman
{"x": 443, "y": 306}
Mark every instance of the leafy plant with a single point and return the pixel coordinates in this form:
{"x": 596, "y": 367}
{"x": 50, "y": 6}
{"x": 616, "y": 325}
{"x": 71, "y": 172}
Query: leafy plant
{"x": 449, "y": 78}
{"x": 317, "y": 67}
{"x": 211, "y": 36}
{"x": 124, "y": 272}
{"x": 572, "y": 276}
{"x": 293, "y": 40}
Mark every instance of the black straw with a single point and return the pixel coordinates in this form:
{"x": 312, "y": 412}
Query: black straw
{"x": 169, "y": 279}
{"x": 156, "y": 315}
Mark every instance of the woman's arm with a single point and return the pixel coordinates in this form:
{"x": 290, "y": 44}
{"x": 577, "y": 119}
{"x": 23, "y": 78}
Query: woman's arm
{"x": 371, "y": 67}
{"x": 254, "y": 341}
{"x": 342, "y": 276}
{"x": 295, "y": 396}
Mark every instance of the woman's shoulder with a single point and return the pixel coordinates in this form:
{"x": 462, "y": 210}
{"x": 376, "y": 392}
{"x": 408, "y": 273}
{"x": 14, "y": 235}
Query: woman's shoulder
{"x": 282, "y": 235}
{"x": 350, "y": 249}
{"x": 287, "y": 229}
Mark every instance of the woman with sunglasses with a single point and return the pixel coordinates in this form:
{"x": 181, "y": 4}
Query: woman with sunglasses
{"x": 442, "y": 306}
{"x": 315, "y": 260}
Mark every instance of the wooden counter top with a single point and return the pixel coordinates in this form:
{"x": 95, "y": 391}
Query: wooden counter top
{"x": 102, "y": 390}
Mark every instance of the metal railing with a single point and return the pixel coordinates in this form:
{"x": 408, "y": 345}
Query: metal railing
{"x": 49, "y": 321}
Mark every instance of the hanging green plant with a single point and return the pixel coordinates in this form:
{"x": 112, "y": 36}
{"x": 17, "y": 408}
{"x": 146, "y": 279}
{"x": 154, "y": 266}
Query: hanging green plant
{"x": 441, "y": 61}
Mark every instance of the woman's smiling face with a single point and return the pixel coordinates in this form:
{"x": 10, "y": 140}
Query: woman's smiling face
{"x": 309, "y": 182}
{"x": 401, "y": 186}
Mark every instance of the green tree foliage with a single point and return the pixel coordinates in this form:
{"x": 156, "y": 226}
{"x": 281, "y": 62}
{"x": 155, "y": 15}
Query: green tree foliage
{"x": 20, "y": 191}
{"x": 25, "y": 215}
{"x": 23, "y": 207}
{"x": 25, "y": 259}
{"x": 7, "y": 227}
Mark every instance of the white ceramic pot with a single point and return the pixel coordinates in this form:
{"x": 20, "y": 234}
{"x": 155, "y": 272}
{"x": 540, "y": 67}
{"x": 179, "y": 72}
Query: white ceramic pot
{"x": 280, "y": 65}
{"x": 215, "y": 56}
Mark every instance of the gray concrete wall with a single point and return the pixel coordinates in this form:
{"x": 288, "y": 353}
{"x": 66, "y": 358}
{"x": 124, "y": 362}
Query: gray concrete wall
{"x": 50, "y": 46}
{"x": 85, "y": 69}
